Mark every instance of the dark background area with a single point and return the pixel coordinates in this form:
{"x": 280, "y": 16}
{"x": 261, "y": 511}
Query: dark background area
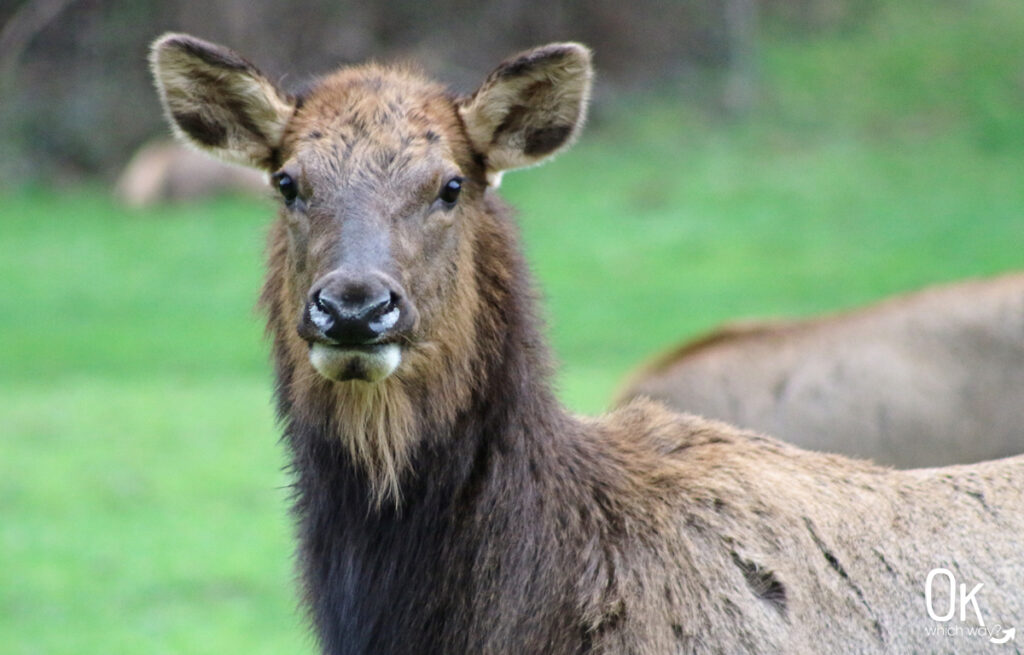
{"x": 76, "y": 98}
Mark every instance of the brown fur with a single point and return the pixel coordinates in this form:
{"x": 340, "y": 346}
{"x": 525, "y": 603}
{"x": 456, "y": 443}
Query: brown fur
{"x": 515, "y": 527}
{"x": 924, "y": 379}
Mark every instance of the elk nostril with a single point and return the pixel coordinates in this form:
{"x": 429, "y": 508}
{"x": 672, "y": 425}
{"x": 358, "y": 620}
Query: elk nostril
{"x": 319, "y": 303}
{"x": 320, "y": 314}
{"x": 385, "y": 317}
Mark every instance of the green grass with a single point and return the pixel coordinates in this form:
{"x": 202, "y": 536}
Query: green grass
{"x": 142, "y": 503}
{"x": 143, "y": 517}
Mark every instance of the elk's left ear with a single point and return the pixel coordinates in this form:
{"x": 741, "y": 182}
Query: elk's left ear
{"x": 530, "y": 107}
{"x": 218, "y": 102}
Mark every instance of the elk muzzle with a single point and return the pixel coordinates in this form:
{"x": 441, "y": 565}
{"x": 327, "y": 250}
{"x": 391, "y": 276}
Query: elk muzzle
{"x": 355, "y": 325}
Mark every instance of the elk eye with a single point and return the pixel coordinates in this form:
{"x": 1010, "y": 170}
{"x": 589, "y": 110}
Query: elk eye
{"x": 450, "y": 191}
{"x": 287, "y": 186}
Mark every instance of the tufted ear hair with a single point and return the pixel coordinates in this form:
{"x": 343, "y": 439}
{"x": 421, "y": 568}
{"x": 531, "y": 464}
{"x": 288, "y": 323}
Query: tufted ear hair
{"x": 218, "y": 102}
{"x": 530, "y": 107}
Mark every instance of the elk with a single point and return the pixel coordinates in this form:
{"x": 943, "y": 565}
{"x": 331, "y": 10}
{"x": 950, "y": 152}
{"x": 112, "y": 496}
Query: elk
{"x": 929, "y": 378}
{"x": 445, "y": 502}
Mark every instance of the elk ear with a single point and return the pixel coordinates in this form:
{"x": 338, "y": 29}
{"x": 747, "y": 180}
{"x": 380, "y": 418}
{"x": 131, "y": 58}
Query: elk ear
{"x": 219, "y": 102}
{"x": 530, "y": 107}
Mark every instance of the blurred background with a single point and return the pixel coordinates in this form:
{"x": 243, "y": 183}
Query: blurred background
{"x": 744, "y": 158}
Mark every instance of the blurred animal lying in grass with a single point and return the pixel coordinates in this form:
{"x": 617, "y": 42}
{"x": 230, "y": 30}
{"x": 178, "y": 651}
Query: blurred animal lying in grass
{"x": 924, "y": 379}
{"x": 166, "y": 171}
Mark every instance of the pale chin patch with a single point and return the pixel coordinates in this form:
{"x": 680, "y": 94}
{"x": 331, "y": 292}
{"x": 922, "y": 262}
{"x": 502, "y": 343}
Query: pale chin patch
{"x": 367, "y": 363}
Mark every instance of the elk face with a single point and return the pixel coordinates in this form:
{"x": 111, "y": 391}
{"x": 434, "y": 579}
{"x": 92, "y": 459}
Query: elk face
{"x": 381, "y": 177}
{"x": 377, "y": 186}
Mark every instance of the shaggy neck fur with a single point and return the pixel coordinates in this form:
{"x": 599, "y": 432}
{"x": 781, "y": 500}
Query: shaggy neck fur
{"x": 373, "y": 571}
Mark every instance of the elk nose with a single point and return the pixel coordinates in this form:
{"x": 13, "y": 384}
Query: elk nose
{"x": 354, "y": 312}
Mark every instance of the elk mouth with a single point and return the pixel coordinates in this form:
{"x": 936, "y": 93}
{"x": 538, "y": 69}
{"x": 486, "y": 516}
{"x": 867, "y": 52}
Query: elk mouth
{"x": 365, "y": 362}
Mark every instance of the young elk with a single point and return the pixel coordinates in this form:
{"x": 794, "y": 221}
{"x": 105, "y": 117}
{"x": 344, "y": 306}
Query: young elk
{"x": 446, "y": 503}
{"x": 926, "y": 379}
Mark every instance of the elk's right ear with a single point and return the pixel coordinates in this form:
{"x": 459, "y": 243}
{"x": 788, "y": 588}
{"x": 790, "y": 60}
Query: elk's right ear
{"x": 218, "y": 101}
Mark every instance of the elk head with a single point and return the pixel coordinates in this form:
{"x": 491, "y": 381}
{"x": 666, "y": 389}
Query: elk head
{"x": 386, "y": 226}
{"x": 382, "y": 178}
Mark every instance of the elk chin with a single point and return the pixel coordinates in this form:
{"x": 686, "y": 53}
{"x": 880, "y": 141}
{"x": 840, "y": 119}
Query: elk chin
{"x": 366, "y": 363}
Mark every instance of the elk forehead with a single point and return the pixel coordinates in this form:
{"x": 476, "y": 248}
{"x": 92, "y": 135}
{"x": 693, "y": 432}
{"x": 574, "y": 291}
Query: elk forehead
{"x": 372, "y": 122}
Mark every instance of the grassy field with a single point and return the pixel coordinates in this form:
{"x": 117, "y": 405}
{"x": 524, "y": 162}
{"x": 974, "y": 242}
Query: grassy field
{"x": 141, "y": 493}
